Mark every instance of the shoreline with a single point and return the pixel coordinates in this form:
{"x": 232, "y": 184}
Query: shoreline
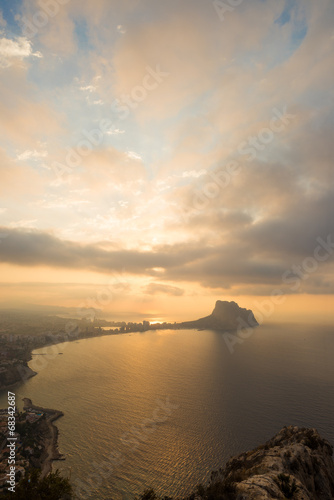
{"x": 49, "y": 432}
{"x": 51, "y": 451}
{"x": 29, "y": 374}
{"x": 15, "y": 384}
{"x": 33, "y": 373}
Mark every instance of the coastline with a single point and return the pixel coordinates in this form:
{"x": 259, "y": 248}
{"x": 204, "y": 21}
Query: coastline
{"x": 20, "y": 380}
{"x": 226, "y": 316}
{"x": 50, "y": 436}
{"x": 47, "y": 433}
{"x": 29, "y": 373}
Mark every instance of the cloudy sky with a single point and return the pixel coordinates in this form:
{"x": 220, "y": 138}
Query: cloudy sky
{"x": 157, "y": 156}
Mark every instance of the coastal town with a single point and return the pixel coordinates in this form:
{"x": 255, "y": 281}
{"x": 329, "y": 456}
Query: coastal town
{"x": 36, "y": 437}
{"x": 33, "y": 444}
{"x": 21, "y": 332}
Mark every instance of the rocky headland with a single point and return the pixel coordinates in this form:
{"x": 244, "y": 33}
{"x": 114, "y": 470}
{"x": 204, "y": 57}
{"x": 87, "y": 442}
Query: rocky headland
{"x": 228, "y": 316}
{"x": 48, "y": 436}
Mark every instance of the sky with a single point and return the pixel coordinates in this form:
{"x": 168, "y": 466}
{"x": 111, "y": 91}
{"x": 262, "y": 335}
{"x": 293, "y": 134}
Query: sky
{"x": 158, "y": 156}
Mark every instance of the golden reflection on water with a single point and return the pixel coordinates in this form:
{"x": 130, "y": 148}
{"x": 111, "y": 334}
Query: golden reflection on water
{"x": 109, "y": 387}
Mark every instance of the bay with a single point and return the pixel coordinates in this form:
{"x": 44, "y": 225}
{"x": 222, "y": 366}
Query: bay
{"x": 163, "y": 409}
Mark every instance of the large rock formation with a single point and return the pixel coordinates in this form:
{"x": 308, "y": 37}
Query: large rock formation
{"x": 296, "y": 463}
{"x": 225, "y": 316}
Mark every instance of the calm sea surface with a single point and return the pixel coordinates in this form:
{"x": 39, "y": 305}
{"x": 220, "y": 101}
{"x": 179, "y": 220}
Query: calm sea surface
{"x": 163, "y": 409}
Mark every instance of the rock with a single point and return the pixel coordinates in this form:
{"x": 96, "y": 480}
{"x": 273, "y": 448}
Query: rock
{"x": 13, "y": 374}
{"x": 225, "y": 316}
{"x": 296, "y": 463}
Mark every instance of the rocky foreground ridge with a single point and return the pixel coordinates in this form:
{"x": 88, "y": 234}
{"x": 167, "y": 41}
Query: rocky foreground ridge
{"x": 296, "y": 463}
{"x": 225, "y": 316}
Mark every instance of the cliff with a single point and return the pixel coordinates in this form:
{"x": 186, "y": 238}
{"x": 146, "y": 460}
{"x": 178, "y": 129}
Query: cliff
{"x": 225, "y": 316}
{"x": 296, "y": 463}
{"x": 13, "y": 374}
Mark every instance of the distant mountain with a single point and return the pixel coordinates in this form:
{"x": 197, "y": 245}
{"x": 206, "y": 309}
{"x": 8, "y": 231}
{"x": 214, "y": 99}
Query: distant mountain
{"x": 225, "y": 316}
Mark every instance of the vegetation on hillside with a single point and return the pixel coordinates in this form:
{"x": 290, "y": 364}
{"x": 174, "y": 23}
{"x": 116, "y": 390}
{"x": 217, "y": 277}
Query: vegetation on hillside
{"x": 51, "y": 487}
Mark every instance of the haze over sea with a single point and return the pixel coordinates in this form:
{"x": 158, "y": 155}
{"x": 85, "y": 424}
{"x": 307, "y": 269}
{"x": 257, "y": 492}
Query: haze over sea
{"x": 226, "y": 403}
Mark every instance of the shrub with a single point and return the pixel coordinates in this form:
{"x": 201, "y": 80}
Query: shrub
{"x": 51, "y": 487}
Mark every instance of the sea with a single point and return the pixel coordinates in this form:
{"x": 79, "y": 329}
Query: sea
{"x": 162, "y": 409}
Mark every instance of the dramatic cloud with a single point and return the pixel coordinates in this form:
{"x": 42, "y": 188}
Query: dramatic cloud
{"x": 26, "y": 247}
{"x": 189, "y": 148}
{"x": 240, "y": 262}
